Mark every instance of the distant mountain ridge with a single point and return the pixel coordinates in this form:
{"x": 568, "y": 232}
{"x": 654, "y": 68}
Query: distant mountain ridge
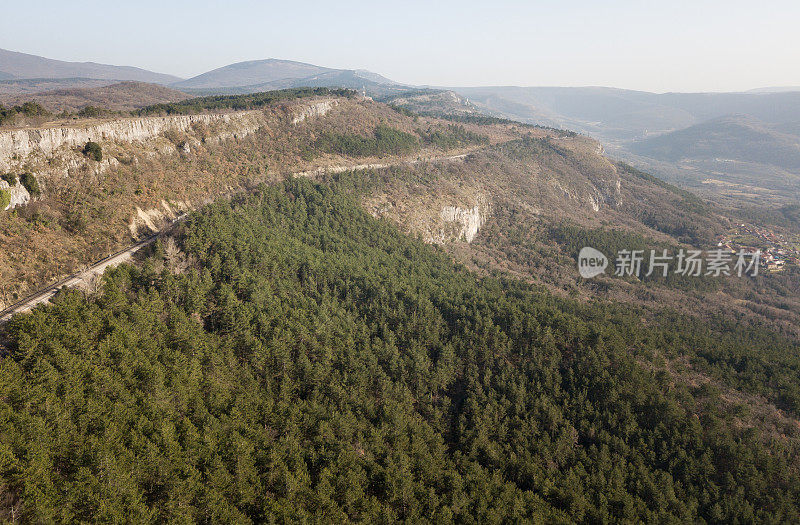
{"x": 252, "y": 72}
{"x": 735, "y": 137}
{"x": 687, "y": 138}
{"x": 774, "y": 89}
{"x": 273, "y": 73}
{"x": 738, "y": 147}
{"x": 620, "y": 114}
{"x": 15, "y": 65}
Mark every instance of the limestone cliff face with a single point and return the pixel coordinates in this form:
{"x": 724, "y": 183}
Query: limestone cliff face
{"x": 608, "y": 188}
{"x": 606, "y": 181}
{"x": 52, "y": 150}
{"x": 455, "y": 216}
{"x": 467, "y": 220}
{"x": 16, "y": 145}
{"x": 316, "y": 109}
{"x": 54, "y": 153}
{"x": 19, "y": 195}
{"x": 153, "y": 219}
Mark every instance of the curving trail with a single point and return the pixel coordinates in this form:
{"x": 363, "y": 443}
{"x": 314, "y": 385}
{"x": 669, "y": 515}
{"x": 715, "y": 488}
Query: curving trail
{"x": 376, "y": 166}
{"x": 84, "y": 277}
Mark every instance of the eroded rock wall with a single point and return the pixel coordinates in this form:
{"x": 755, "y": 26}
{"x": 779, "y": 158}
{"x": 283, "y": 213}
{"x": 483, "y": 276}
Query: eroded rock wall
{"x": 17, "y": 144}
{"x": 19, "y": 195}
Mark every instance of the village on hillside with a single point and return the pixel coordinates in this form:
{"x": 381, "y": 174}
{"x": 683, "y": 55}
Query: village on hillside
{"x": 777, "y": 249}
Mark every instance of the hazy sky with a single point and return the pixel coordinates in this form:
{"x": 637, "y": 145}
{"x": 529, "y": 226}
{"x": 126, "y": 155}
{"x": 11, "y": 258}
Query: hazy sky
{"x": 655, "y": 46}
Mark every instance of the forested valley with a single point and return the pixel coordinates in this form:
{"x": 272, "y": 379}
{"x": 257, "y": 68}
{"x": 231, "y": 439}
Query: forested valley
{"x": 286, "y": 357}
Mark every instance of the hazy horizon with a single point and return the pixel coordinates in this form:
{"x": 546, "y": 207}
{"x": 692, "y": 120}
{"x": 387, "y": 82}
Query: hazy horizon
{"x": 682, "y": 47}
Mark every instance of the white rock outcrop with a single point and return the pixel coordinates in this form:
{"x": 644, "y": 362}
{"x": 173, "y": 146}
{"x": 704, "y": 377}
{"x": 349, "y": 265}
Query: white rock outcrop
{"x": 19, "y": 195}
{"x": 316, "y": 109}
{"x": 595, "y": 193}
{"x": 151, "y": 220}
{"x": 20, "y": 143}
{"x": 469, "y": 221}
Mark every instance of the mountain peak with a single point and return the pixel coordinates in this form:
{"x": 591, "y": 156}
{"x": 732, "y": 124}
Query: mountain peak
{"x": 274, "y": 73}
{"x": 16, "y": 65}
{"x": 252, "y": 72}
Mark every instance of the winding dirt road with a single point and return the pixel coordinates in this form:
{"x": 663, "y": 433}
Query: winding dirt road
{"x": 82, "y": 278}
{"x": 85, "y": 277}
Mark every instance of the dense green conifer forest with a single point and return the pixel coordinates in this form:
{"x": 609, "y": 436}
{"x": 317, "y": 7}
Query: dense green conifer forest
{"x": 288, "y": 358}
{"x": 238, "y": 102}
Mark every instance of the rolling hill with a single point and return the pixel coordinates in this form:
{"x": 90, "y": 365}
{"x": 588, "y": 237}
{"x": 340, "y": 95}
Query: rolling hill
{"x": 252, "y": 72}
{"x": 23, "y": 65}
{"x": 736, "y": 159}
{"x": 265, "y": 75}
{"x": 277, "y": 74}
{"x": 734, "y": 147}
{"x": 736, "y": 137}
{"x": 123, "y": 96}
{"x": 335, "y": 79}
{"x": 618, "y": 115}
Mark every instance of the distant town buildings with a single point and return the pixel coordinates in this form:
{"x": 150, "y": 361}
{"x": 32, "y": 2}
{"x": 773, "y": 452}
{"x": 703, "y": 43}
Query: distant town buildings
{"x": 776, "y": 249}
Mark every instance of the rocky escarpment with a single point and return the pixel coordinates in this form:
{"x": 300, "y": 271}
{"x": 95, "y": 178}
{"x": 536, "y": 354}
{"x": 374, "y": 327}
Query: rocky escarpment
{"x": 593, "y": 196}
{"x": 56, "y": 151}
{"x": 153, "y": 219}
{"x": 19, "y": 146}
{"x": 316, "y": 109}
{"x": 18, "y": 194}
{"x": 556, "y": 178}
{"x": 148, "y": 173}
{"x": 608, "y": 188}
{"x": 454, "y": 216}
{"x": 467, "y": 221}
